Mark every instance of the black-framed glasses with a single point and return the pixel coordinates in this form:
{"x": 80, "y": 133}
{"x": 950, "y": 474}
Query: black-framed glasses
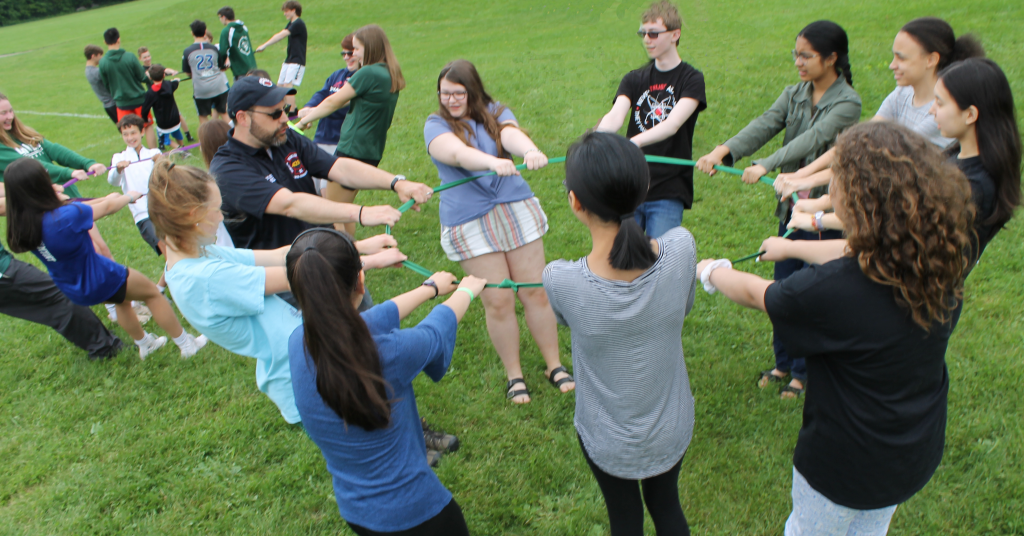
{"x": 653, "y": 34}
{"x": 276, "y": 114}
{"x": 457, "y": 95}
{"x": 347, "y": 53}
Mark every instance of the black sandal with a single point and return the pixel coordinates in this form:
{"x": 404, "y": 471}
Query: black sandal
{"x": 558, "y": 384}
{"x": 510, "y": 394}
{"x": 771, "y": 378}
{"x": 790, "y": 389}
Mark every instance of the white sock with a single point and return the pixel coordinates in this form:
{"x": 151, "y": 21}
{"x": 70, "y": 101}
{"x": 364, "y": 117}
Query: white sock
{"x": 182, "y": 339}
{"x": 111, "y": 310}
{"x": 144, "y": 340}
{"x": 160, "y": 288}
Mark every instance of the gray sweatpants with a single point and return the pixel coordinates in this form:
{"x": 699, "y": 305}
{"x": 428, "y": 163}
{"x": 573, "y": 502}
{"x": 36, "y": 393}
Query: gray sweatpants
{"x": 29, "y": 294}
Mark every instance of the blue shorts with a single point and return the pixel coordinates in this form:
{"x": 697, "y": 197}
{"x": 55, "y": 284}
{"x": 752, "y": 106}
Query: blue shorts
{"x": 165, "y": 139}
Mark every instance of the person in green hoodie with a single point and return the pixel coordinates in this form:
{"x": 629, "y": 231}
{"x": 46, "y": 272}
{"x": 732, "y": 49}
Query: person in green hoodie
{"x": 125, "y": 78}
{"x": 234, "y": 42}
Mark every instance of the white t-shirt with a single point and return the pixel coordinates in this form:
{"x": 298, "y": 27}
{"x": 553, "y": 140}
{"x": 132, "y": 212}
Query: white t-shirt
{"x": 899, "y": 107}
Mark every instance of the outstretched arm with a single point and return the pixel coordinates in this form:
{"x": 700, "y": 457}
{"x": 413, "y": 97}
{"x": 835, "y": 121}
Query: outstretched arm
{"x": 518, "y": 143}
{"x": 105, "y": 206}
{"x": 328, "y": 106}
{"x": 613, "y": 120}
{"x": 449, "y": 149}
{"x": 359, "y": 176}
{"x": 743, "y": 288}
{"x": 667, "y": 128}
{"x": 277, "y": 37}
{"x": 315, "y": 209}
{"x": 777, "y": 249}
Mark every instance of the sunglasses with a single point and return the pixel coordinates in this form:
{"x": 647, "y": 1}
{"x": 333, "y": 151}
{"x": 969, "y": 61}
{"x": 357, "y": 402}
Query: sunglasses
{"x": 347, "y": 52}
{"x": 653, "y": 34}
{"x": 276, "y": 114}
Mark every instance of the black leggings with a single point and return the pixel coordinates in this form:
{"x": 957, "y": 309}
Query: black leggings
{"x": 626, "y": 509}
{"x": 448, "y": 522}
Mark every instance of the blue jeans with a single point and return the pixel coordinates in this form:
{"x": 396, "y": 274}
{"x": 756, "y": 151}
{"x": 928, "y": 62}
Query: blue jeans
{"x": 657, "y": 217}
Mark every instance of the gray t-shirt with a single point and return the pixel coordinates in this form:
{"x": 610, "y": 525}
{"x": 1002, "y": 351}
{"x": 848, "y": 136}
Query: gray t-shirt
{"x": 634, "y": 408}
{"x": 204, "y": 62}
{"x": 92, "y": 74}
{"x": 899, "y": 107}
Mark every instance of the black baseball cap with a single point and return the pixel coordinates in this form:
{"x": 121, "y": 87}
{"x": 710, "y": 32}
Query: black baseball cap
{"x": 250, "y": 91}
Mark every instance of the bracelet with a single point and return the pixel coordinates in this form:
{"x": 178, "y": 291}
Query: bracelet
{"x": 705, "y": 276}
{"x": 528, "y": 151}
{"x": 467, "y": 291}
{"x": 360, "y": 215}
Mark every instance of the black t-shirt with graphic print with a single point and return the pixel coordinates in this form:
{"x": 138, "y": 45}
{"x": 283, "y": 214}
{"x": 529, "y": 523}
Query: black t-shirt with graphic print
{"x": 296, "y": 42}
{"x": 653, "y": 94}
{"x": 249, "y": 177}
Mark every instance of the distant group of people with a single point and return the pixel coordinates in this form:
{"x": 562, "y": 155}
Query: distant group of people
{"x": 261, "y": 258}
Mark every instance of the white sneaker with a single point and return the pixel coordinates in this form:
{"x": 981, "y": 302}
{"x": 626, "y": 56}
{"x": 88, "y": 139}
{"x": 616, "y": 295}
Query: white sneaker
{"x": 150, "y": 344}
{"x": 193, "y": 345}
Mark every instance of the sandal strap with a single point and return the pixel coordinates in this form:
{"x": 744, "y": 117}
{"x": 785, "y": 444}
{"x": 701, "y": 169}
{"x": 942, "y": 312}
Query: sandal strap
{"x": 518, "y": 392}
{"x": 558, "y": 383}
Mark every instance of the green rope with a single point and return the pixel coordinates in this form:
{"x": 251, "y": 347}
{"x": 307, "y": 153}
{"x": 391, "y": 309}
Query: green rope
{"x": 508, "y": 283}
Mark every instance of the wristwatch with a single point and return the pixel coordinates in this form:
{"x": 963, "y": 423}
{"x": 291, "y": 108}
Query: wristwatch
{"x": 395, "y": 181}
{"x": 432, "y": 284}
{"x": 818, "y": 225}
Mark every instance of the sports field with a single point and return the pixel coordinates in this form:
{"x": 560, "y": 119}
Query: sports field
{"x": 168, "y": 446}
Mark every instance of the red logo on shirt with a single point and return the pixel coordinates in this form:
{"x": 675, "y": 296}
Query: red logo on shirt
{"x": 294, "y": 164}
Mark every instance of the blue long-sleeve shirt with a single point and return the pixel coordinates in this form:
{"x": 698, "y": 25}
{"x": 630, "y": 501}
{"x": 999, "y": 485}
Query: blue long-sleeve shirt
{"x": 328, "y": 131}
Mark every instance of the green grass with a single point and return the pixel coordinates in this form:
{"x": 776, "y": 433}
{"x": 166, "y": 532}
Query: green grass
{"x": 168, "y": 446}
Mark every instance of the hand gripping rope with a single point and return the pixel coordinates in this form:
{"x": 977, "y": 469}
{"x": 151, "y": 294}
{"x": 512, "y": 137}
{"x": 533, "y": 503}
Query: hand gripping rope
{"x": 179, "y": 149}
{"x": 507, "y": 283}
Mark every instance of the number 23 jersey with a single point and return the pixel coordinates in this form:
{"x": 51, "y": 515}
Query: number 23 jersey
{"x": 204, "y": 62}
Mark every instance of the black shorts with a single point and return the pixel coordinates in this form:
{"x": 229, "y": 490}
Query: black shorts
{"x": 121, "y": 294}
{"x": 220, "y": 103}
{"x": 367, "y": 161}
{"x": 148, "y": 232}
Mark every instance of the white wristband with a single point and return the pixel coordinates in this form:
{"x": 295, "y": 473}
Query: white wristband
{"x": 705, "y": 276}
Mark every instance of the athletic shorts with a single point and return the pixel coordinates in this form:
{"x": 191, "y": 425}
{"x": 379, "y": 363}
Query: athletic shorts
{"x": 147, "y": 121}
{"x": 506, "y": 227}
{"x": 122, "y": 292}
{"x": 205, "y": 106}
{"x": 367, "y": 161}
{"x": 148, "y": 232}
{"x": 291, "y": 73}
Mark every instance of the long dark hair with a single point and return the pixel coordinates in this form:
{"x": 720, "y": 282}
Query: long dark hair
{"x": 908, "y": 216}
{"x": 936, "y": 35}
{"x": 979, "y": 82}
{"x": 610, "y": 178}
{"x": 30, "y": 195}
{"x": 478, "y": 104}
{"x": 827, "y": 37}
{"x": 323, "y": 271}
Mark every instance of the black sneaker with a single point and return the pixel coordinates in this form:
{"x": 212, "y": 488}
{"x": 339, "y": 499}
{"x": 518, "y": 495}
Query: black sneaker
{"x": 188, "y": 136}
{"x": 162, "y": 147}
{"x": 438, "y": 440}
{"x": 433, "y": 457}
{"x": 108, "y": 353}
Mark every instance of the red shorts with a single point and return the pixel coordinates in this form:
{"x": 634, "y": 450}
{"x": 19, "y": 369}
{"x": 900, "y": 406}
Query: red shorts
{"x": 121, "y": 112}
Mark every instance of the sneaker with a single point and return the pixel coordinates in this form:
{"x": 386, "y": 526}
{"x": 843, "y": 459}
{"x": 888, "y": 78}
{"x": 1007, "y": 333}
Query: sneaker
{"x": 150, "y": 344}
{"x": 433, "y": 457}
{"x": 438, "y": 440}
{"x": 109, "y": 352}
{"x": 142, "y": 312}
{"x": 193, "y": 345}
{"x": 188, "y": 135}
{"x": 162, "y": 147}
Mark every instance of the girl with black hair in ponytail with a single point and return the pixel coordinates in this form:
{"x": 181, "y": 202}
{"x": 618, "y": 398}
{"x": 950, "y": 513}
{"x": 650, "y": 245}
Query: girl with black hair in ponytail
{"x": 352, "y": 375}
{"x": 625, "y": 303}
{"x": 813, "y": 113}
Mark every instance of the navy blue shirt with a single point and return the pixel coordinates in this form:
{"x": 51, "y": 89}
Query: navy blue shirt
{"x": 328, "y": 130}
{"x": 249, "y": 177}
{"x": 381, "y": 478}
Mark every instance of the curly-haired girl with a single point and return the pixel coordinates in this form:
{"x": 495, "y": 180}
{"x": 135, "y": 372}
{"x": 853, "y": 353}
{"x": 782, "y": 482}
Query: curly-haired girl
{"x": 873, "y": 323}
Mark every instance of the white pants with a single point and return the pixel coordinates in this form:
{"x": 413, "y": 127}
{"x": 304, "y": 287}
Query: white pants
{"x": 814, "y": 515}
{"x": 291, "y": 73}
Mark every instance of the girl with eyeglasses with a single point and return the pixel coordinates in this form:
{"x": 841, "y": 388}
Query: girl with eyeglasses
{"x": 371, "y": 95}
{"x": 352, "y": 375}
{"x": 921, "y": 49}
{"x": 812, "y": 113}
{"x": 493, "y": 226}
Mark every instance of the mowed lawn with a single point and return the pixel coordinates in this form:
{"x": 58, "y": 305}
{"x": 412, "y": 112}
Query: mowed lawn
{"x": 168, "y": 446}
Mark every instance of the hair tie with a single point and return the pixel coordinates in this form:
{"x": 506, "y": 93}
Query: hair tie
{"x": 308, "y": 248}
{"x": 170, "y": 167}
{"x": 628, "y": 216}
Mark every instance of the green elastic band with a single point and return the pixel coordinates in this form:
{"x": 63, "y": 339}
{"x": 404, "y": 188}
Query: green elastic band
{"x": 759, "y": 253}
{"x": 467, "y": 291}
{"x": 295, "y": 128}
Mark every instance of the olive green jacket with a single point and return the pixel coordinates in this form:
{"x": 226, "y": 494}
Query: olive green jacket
{"x": 810, "y": 130}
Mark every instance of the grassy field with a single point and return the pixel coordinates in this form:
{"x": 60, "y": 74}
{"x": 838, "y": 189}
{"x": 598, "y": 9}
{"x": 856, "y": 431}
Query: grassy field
{"x": 168, "y": 446}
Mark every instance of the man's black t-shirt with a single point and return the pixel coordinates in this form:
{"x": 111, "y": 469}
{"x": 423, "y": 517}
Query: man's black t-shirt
{"x": 249, "y": 177}
{"x": 874, "y": 418}
{"x": 653, "y": 94}
{"x": 983, "y": 194}
{"x": 296, "y": 42}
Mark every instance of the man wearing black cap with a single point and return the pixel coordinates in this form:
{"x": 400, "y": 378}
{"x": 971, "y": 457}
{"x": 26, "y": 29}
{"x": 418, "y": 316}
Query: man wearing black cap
{"x": 265, "y": 173}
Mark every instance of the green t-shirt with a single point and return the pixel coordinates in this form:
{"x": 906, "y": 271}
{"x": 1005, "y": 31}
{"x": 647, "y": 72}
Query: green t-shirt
{"x": 58, "y": 160}
{"x": 365, "y": 130}
{"x": 5, "y": 259}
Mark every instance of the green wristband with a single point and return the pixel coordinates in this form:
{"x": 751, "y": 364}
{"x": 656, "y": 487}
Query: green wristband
{"x": 467, "y": 291}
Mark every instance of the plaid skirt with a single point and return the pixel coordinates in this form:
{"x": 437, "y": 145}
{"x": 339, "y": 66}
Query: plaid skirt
{"x": 506, "y": 227}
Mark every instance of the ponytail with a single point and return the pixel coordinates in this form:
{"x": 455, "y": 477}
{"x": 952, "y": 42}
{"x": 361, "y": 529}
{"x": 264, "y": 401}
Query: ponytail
{"x": 177, "y": 203}
{"x": 936, "y": 35}
{"x": 610, "y": 178}
{"x": 827, "y": 38}
{"x": 323, "y": 271}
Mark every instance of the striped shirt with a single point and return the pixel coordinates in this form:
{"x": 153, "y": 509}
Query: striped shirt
{"x": 899, "y": 107}
{"x": 634, "y": 408}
